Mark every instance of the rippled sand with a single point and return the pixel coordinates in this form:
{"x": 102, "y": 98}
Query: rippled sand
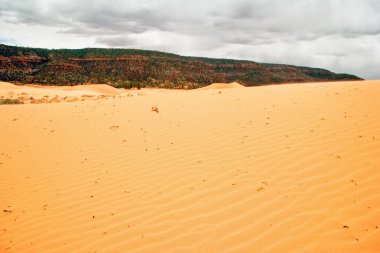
{"x": 282, "y": 168}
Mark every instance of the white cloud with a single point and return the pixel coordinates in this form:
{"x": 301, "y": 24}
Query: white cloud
{"x": 340, "y": 35}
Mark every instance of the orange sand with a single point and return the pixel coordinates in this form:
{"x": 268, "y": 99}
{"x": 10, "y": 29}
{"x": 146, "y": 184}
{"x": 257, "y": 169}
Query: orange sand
{"x": 35, "y": 94}
{"x": 222, "y": 86}
{"x": 282, "y": 168}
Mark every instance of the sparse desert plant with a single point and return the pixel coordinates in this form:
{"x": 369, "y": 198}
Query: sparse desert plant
{"x": 10, "y": 101}
{"x": 130, "y": 84}
{"x": 124, "y": 84}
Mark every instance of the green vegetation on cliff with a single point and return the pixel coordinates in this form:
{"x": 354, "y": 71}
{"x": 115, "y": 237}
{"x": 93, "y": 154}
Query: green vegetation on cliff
{"x": 144, "y": 68}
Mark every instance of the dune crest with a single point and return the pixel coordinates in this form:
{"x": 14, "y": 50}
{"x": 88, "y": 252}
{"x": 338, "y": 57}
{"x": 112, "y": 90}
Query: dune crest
{"x": 38, "y": 94}
{"x": 217, "y": 86}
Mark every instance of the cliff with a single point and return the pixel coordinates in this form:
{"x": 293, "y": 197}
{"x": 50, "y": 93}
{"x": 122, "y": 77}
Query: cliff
{"x": 131, "y": 67}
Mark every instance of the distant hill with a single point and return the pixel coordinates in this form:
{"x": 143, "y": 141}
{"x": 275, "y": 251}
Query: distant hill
{"x": 131, "y": 67}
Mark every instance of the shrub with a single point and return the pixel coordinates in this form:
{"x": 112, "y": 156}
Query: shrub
{"x": 9, "y": 101}
{"x": 130, "y": 85}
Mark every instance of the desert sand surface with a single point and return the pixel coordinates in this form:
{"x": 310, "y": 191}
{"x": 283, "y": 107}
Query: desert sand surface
{"x": 37, "y": 94}
{"x": 281, "y": 168}
{"x": 222, "y": 86}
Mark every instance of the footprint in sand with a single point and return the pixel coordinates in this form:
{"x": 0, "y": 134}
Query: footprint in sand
{"x": 154, "y": 109}
{"x": 114, "y": 128}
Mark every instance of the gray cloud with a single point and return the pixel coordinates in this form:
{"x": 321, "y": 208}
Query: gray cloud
{"x": 117, "y": 41}
{"x": 340, "y": 35}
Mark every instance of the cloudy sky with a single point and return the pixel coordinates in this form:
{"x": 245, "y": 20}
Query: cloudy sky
{"x": 339, "y": 35}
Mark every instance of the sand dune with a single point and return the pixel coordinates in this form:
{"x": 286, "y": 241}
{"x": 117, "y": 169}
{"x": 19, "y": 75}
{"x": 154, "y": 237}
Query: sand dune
{"x": 282, "y": 168}
{"x": 216, "y": 86}
{"x": 37, "y": 94}
{"x": 99, "y": 89}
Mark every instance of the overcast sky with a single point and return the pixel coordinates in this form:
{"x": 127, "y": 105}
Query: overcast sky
{"x": 339, "y": 35}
